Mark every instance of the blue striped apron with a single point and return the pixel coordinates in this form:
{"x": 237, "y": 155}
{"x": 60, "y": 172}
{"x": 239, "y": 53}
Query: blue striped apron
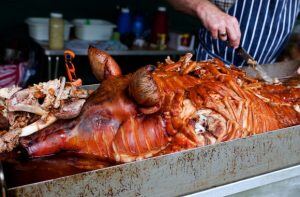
{"x": 265, "y": 26}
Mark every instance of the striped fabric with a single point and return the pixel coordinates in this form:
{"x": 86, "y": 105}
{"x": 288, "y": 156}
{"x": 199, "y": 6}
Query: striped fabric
{"x": 11, "y": 74}
{"x": 265, "y": 26}
{"x": 224, "y": 5}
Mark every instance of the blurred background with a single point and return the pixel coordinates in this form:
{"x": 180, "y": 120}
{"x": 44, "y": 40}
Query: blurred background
{"x": 136, "y": 32}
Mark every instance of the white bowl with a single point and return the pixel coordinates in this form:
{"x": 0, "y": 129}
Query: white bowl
{"x": 39, "y": 28}
{"x": 93, "y": 29}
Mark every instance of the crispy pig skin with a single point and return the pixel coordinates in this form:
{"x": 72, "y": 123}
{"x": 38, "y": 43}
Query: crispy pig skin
{"x": 154, "y": 111}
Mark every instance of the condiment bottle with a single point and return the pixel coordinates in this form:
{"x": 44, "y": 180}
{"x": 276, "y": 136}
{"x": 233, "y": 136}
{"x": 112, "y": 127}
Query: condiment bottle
{"x": 124, "y": 22}
{"x": 56, "y": 31}
{"x": 160, "y": 25}
{"x": 138, "y": 26}
{"x": 124, "y": 27}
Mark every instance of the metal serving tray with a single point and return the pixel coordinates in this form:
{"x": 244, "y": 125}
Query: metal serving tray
{"x": 187, "y": 171}
{"x": 180, "y": 173}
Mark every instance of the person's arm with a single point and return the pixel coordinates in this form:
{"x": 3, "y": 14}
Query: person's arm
{"x": 213, "y": 19}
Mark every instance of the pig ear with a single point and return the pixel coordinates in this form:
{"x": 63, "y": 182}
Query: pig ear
{"x": 144, "y": 90}
{"x": 102, "y": 64}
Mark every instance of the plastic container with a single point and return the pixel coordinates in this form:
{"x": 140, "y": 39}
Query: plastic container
{"x": 56, "y": 31}
{"x": 93, "y": 29}
{"x": 39, "y": 28}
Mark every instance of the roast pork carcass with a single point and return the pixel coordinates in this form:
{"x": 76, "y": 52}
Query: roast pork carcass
{"x": 166, "y": 108}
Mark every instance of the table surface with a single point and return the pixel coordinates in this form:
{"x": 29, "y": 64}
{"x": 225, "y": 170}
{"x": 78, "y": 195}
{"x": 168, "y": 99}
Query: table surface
{"x": 137, "y": 52}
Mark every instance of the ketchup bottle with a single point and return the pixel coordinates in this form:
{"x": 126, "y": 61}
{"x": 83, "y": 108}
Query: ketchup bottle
{"x": 160, "y": 24}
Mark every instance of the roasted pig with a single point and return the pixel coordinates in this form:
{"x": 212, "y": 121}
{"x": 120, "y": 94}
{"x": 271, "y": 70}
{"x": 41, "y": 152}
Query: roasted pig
{"x": 166, "y": 108}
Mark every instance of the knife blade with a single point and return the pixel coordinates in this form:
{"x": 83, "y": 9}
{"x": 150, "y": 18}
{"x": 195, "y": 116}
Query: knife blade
{"x": 253, "y": 63}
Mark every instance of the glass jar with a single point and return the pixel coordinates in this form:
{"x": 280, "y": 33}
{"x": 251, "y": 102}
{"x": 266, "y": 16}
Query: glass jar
{"x": 56, "y": 31}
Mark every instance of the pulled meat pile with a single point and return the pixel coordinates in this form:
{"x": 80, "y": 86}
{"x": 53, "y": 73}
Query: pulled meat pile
{"x": 26, "y": 111}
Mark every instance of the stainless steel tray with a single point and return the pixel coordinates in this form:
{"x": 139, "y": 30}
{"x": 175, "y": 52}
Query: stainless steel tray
{"x": 180, "y": 173}
{"x": 187, "y": 171}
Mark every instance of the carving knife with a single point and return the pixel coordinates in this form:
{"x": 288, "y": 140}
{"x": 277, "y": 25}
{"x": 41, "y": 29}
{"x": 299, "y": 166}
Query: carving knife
{"x": 253, "y": 63}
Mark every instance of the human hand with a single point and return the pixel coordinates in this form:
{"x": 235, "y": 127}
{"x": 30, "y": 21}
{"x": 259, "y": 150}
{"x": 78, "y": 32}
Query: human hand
{"x": 220, "y": 24}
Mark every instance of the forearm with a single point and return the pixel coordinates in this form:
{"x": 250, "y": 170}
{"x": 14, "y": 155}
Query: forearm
{"x": 189, "y": 6}
{"x": 220, "y": 24}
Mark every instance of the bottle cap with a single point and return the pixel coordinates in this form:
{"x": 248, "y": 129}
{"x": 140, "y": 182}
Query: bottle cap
{"x": 56, "y": 15}
{"x": 125, "y": 10}
{"x": 162, "y": 9}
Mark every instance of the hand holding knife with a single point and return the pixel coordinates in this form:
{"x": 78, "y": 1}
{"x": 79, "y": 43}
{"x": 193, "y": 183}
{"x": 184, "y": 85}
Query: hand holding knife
{"x": 253, "y": 63}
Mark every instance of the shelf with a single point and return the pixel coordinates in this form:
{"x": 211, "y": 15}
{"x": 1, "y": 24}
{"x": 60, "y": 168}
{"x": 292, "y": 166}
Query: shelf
{"x": 83, "y": 52}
